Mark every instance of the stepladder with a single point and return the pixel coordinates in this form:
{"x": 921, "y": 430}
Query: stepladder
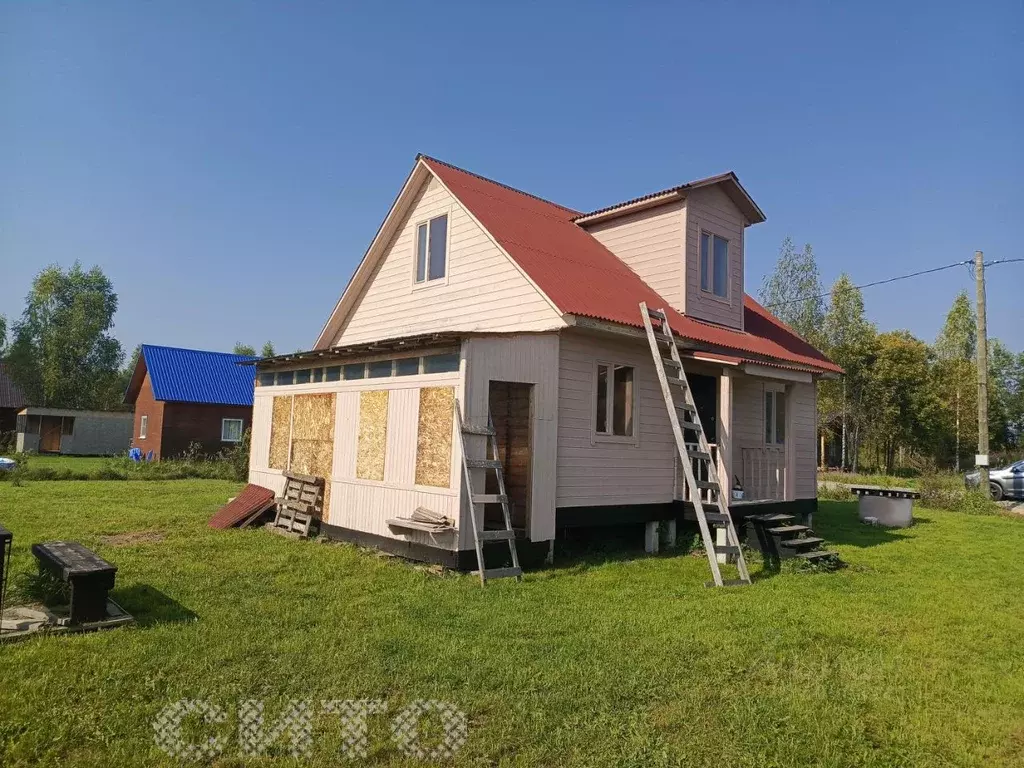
{"x": 699, "y": 470}
{"x": 491, "y": 462}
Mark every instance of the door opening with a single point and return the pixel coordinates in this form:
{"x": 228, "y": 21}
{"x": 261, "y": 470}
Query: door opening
{"x": 49, "y": 435}
{"x": 511, "y": 406}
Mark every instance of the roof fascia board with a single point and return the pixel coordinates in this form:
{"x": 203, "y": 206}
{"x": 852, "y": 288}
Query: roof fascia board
{"x": 766, "y": 372}
{"x": 636, "y": 207}
{"x": 364, "y": 271}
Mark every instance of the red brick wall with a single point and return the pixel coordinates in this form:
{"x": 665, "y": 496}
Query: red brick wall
{"x": 145, "y": 405}
{"x": 187, "y": 423}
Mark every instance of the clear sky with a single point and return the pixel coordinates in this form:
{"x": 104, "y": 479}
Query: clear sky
{"x": 227, "y": 163}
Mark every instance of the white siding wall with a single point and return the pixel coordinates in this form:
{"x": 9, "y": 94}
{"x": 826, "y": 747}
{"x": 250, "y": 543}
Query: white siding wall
{"x": 803, "y": 429}
{"x": 364, "y": 505}
{"x": 711, "y": 209}
{"x": 590, "y": 472}
{"x": 529, "y": 359}
{"x": 651, "y": 244}
{"x": 483, "y": 290}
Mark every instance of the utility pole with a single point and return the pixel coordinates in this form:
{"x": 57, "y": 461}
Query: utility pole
{"x": 982, "y": 459}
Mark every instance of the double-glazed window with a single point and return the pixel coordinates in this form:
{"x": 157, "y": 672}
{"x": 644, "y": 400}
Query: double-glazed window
{"x": 615, "y": 400}
{"x": 231, "y": 430}
{"x": 774, "y": 417}
{"x": 431, "y": 249}
{"x": 714, "y": 264}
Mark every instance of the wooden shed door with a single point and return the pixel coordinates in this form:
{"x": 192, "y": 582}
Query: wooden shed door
{"x": 511, "y": 407}
{"x": 49, "y": 435}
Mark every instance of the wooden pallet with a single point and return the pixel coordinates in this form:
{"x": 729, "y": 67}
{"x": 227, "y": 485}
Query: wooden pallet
{"x": 300, "y": 505}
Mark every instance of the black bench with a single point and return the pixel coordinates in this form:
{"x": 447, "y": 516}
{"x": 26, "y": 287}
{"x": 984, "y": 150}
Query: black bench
{"x": 89, "y": 576}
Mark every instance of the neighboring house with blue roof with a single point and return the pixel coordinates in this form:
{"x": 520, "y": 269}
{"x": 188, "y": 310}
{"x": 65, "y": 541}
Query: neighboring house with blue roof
{"x": 187, "y": 396}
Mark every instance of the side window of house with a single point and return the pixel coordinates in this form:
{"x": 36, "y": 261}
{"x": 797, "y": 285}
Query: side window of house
{"x": 774, "y": 417}
{"x": 143, "y": 427}
{"x": 431, "y": 249}
{"x": 231, "y": 430}
{"x": 714, "y": 264}
{"x": 615, "y": 400}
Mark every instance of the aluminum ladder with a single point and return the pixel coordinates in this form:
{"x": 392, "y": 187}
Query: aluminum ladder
{"x": 691, "y": 420}
{"x": 477, "y": 500}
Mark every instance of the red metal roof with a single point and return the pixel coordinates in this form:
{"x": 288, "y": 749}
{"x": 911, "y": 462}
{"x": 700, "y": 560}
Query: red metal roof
{"x": 582, "y": 277}
{"x": 244, "y": 508}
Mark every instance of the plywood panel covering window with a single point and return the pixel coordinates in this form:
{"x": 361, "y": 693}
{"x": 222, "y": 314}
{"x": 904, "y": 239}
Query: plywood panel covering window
{"x": 312, "y": 449}
{"x": 373, "y": 434}
{"x": 434, "y": 437}
{"x": 280, "y": 432}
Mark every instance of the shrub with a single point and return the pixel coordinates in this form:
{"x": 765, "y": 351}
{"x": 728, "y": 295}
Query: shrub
{"x": 949, "y": 492}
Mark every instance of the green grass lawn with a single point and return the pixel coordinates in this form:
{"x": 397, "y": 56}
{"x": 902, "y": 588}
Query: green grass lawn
{"x": 911, "y": 656}
{"x": 71, "y": 463}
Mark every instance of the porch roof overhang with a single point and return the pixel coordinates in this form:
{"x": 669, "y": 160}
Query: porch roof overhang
{"x": 348, "y": 351}
{"x": 698, "y": 350}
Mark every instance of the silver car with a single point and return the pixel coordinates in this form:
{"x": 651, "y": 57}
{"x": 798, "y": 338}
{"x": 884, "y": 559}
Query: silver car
{"x": 1002, "y": 483}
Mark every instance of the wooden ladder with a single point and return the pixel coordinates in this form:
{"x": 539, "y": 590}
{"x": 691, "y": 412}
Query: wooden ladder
{"x": 477, "y": 501}
{"x": 691, "y": 420}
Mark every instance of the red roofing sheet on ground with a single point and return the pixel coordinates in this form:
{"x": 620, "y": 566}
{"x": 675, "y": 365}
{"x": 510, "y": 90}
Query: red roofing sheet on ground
{"x": 244, "y": 508}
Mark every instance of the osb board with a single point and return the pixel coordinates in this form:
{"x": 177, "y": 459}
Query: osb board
{"x": 280, "y": 432}
{"x": 373, "y": 434}
{"x": 434, "y": 437}
{"x": 313, "y": 439}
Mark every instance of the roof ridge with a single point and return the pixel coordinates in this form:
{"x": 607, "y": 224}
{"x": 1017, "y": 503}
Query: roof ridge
{"x": 200, "y": 351}
{"x": 565, "y": 208}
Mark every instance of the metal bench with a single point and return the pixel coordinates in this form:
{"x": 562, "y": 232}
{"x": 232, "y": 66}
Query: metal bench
{"x": 89, "y": 576}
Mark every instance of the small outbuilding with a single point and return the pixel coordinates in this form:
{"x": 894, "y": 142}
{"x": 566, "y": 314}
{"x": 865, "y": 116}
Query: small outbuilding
{"x": 11, "y": 401}
{"x": 187, "y": 396}
{"x": 73, "y": 432}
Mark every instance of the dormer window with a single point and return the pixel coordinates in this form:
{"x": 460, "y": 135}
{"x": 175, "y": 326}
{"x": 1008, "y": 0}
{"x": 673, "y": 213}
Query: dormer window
{"x": 432, "y": 249}
{"x": 714, "y": 264}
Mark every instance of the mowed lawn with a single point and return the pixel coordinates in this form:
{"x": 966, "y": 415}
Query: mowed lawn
{"x": 911, "y": 656}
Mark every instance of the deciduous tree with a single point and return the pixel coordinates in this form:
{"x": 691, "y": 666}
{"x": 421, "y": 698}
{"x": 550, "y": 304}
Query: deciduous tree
{"x": 793, "y": 291}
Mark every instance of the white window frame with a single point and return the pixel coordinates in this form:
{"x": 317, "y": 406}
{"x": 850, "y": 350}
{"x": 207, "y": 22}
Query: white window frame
{"x": 241, "y": 430}
{"x": 427, "y": 281}
{"x": 777, "y": 390}
{"x": 143, "y": 427}
{"x": 710, "y": 291}
{"x": 609, "y": 437}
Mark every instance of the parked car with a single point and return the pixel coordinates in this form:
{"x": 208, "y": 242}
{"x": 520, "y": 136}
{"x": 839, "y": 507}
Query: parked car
{"x": 1002, "y": 483}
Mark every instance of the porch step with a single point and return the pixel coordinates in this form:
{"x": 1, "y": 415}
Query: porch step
{"x": 489, "y": 498}
{"x": 776, "y": 517}
{"x": 785, "y": 530}
{"x": 483, "y": 463}
{"x": 818, "y": 554}
{"x": 499, "y": 535}
{"x": 477, "y": 429}
{"x": 716, "y": 517}
{"x": 810, "y": 541}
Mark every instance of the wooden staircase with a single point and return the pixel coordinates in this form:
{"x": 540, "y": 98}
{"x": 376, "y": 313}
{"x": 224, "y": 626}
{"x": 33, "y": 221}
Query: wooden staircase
{"x": 778, "y": 538}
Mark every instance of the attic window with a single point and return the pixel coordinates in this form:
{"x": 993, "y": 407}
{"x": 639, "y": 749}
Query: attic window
{"x": 431, "y": 249}
{"x": 714, "y": 264}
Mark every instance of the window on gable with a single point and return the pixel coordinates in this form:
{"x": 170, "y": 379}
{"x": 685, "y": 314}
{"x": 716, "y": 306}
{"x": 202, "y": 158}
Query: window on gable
{"x": 431, "y": 249}
{"x": 714, "y": 264}
{"x": 615, "y": 400}
{"x": 774, "y": 417}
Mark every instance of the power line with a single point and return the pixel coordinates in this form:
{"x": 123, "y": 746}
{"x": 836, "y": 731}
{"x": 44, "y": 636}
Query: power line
{"x": 969, "y": 263}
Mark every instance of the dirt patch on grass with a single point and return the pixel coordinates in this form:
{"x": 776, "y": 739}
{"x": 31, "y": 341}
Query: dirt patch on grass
{"x": 132, "y": 538}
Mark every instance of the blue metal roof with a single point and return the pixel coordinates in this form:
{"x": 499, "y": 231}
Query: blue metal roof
{"x": 192, "y": 376}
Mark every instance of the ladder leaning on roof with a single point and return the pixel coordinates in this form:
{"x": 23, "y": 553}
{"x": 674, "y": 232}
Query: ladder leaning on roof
{"x": 691, "y": 420}
{"x": 477, "y": 500}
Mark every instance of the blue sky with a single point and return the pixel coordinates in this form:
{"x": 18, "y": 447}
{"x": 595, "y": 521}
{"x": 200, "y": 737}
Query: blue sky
{"x": 221, "y": 161}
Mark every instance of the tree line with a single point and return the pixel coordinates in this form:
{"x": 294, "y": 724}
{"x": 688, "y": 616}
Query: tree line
{"x": 903, "y": 403}
{"x": 61, "y": 352}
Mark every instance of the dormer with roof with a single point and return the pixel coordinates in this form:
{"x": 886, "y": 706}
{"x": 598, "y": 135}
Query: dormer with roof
{"x": 529, "y": 311}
